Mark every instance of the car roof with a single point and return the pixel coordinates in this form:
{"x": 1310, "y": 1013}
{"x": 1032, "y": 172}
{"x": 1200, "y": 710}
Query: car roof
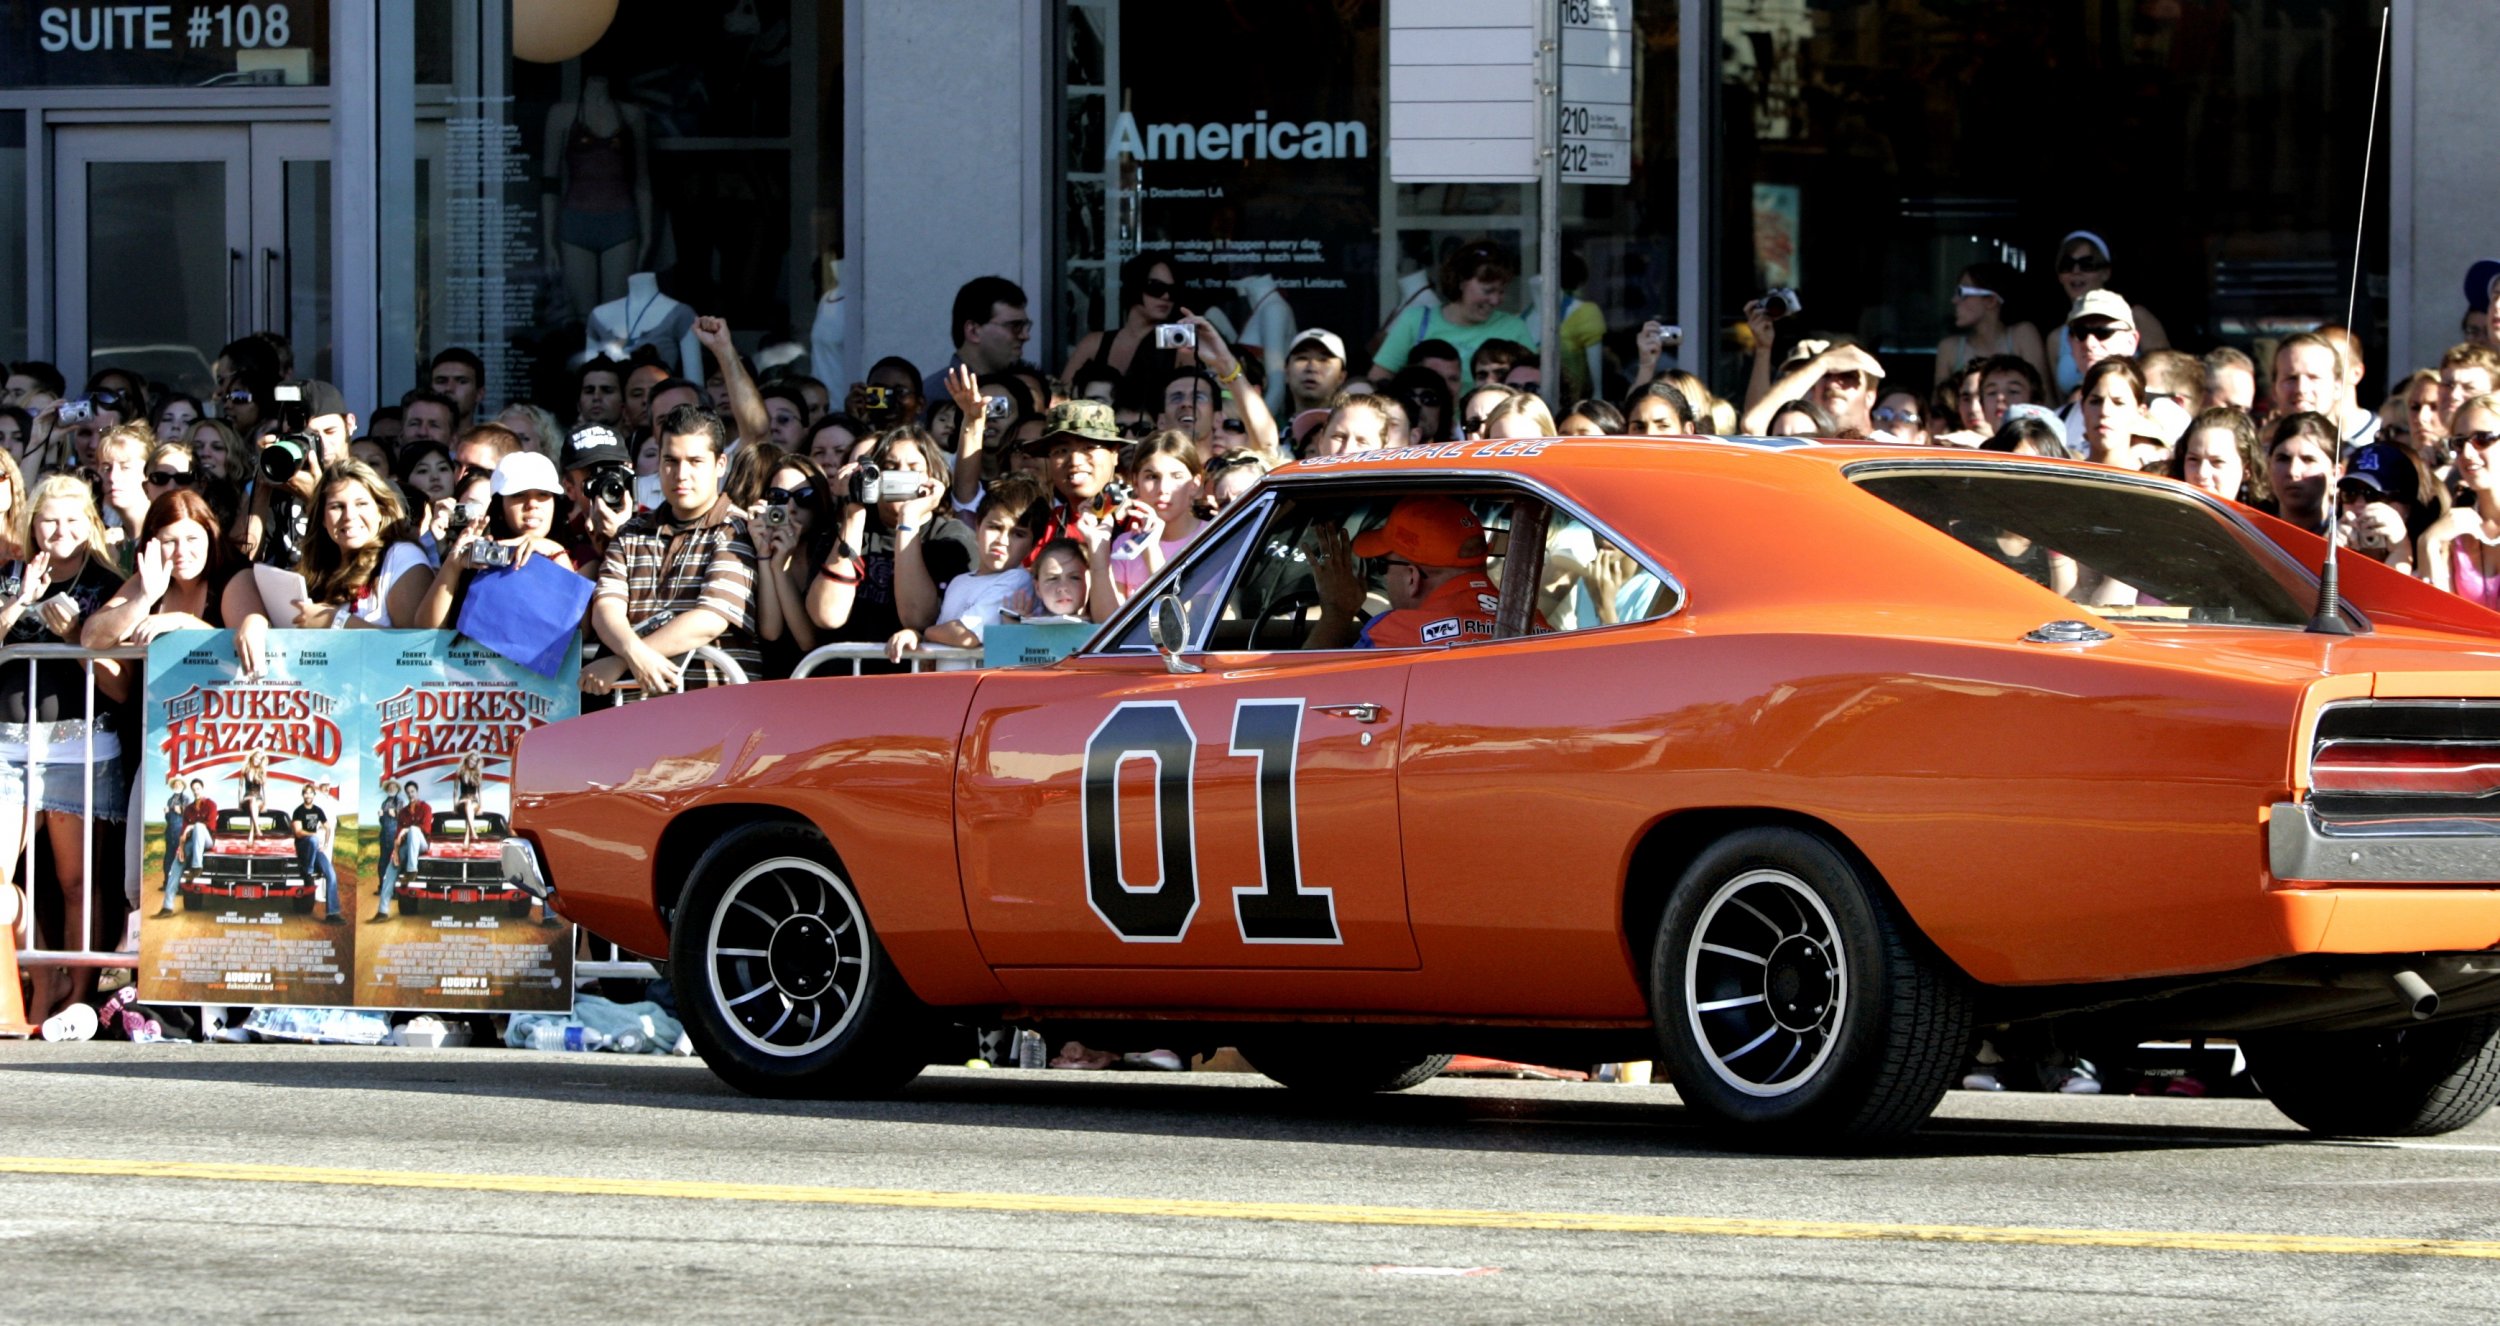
{"x": 1550, "y": 455}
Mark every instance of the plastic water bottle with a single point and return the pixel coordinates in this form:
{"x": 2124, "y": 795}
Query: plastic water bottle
{"x": 1030, "y": 1051}
{"x": 573, "y": 1037}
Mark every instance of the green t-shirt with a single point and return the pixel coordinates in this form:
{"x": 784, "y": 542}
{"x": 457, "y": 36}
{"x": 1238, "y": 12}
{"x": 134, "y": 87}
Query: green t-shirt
{"x": 1425, "y": 322}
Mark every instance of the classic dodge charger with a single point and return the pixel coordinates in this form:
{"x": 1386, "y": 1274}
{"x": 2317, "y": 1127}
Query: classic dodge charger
{"x": 1795, "y": 767}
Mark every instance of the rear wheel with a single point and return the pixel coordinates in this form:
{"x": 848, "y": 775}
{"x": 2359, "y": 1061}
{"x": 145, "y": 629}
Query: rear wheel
{"x": 1791, "y": 1001}
{"x": 1335, "y": 1066}
{"x": 784, "y": 987}
{"x": 2414, "y": 1081}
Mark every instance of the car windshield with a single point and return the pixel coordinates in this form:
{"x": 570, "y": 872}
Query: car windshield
{"x": 2129, "y": 551}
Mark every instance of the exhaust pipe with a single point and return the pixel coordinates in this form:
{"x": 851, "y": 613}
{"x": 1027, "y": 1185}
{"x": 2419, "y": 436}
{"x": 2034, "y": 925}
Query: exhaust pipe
{"x": 2415, "y": 994}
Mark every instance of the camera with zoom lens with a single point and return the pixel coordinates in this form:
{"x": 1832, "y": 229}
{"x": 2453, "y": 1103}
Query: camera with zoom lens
{"x": 871, "y": 485}
{"x": 287, "y": 455}
{"x": 1779, "y": 302}
{"x": 610, "y": 485}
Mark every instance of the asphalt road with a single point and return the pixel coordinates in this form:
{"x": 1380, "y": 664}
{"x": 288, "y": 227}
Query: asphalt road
{"x": 232, "y": 1183}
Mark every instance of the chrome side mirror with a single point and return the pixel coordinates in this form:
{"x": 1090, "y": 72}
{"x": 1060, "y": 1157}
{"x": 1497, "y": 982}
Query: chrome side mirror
{"x": 1168, "y": 627}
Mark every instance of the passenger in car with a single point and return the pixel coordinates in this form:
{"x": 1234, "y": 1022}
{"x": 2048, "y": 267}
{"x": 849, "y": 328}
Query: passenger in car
{"x": 1434, "y": 550}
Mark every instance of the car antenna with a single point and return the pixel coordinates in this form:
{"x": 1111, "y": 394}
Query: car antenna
{"x": 2329, "y": 618}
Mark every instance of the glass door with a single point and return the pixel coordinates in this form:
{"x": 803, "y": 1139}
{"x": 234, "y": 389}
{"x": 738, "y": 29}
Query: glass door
{"x": 152, "y": 229}
{"x": 174, "y": 239}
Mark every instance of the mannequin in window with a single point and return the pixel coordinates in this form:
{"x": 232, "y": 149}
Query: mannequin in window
{"x": 595, "y": 208}
{"x": 1267, "y": 325}
{"x": 645, "y": 316}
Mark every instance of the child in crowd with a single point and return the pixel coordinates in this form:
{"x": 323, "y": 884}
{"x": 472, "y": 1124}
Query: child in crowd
{"x": 1011, "y": 516}
{"x": 1061, "y": 571}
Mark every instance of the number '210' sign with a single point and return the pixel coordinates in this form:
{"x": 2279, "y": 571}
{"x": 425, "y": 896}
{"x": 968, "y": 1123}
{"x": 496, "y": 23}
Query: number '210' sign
{"x": 1279, "y": 910}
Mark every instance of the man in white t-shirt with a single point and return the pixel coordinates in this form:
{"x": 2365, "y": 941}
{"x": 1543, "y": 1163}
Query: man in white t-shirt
{"x": 1011, "y": 517}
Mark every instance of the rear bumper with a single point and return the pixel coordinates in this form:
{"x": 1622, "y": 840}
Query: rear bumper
{"x": 2300, "y": 846}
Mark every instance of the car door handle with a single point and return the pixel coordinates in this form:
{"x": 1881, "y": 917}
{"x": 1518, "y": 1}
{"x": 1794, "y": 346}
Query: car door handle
{"x": 1360, "y": 713}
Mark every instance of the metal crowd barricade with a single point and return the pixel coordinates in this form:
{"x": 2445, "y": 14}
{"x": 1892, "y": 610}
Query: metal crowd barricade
{"x": 77, "y": 950}
{"x": 922, "y": 659}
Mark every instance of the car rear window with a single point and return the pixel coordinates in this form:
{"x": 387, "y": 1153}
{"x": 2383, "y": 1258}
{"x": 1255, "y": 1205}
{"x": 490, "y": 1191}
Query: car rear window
{"x": 2129, "y": 551}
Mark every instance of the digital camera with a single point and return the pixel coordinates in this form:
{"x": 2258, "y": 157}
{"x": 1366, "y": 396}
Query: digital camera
{"x": 1174, "y": 335}
{"x": 287, "y": 455}
{"x": 877, "y": 398}
{"x": 486, "y": 553}
{"x": 610, "y": 485}
{"x": 777, "y": 513}
{"x": 997, "y": 407}
{"x": 1779, "y": 302}
{"x": 76, "y": 411}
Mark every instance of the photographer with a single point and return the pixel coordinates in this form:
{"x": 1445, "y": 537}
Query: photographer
{"x": 798, "y": 500}
{"x": 1842, "y": 379}
{"x": 677, "y": 578}
{"x": 315, "y": 429}
{"x": 496, "y": 521}
{"x": 599, "y": 491}
{"x": 895, "y": 546}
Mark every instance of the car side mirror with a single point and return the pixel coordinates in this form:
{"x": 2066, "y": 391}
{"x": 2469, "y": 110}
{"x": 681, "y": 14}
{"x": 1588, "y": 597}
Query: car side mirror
{"x": 1168, "y": 627}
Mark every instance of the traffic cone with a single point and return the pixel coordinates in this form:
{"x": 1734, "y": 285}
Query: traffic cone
{"x": 13, "y": 1022}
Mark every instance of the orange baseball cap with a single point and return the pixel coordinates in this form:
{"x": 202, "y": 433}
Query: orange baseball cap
{"x": 1428, "y": 531}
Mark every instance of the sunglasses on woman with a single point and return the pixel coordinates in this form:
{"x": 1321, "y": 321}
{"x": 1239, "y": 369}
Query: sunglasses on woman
{"x": 2479, "y": 441}
{"x": 1973, "y": 292}
{"x": 1156, "y": 289}
{"x": 2083, "y": 262}
{"x": 170, "y": 478}
{"x": 785, "y": 496}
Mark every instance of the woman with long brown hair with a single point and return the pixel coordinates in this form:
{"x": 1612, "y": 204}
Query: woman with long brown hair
{"x": 359, "y": 552}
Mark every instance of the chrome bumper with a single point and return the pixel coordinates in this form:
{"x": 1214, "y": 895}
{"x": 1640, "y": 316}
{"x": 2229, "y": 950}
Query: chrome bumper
{"x": 522, "y": 871}
{"x": 2427, "y": 851}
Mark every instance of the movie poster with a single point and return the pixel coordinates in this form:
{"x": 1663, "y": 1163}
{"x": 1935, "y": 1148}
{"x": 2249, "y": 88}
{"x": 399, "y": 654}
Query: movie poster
{"x": 249, "y": 787}
{"x": 444, "y": 716}
{"x": 330, "y": 833}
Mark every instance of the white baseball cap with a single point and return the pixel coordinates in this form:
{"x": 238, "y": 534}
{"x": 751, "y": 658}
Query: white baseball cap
{"x": 1334, "y": 342}
{"x": 527, "y": 472}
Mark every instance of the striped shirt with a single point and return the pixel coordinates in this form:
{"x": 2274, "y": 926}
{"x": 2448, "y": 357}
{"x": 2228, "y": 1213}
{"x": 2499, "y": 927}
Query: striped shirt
{"x": 658, "y": 567}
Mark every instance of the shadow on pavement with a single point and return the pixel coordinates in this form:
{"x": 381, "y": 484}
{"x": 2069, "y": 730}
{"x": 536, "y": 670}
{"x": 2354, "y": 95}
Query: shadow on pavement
{"x": 1646, "y": 1122}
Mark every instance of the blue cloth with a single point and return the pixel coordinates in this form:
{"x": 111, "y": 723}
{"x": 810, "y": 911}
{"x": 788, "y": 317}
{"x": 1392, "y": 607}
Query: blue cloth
{"x": 529, "y": 613}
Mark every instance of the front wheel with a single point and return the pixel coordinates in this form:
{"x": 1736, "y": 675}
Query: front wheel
{"x": 1330, "y": 1066}
{"x": 2401, "y": 1082}
{"x": 784, "y": 987}
{"x": 1792, "y": 1002}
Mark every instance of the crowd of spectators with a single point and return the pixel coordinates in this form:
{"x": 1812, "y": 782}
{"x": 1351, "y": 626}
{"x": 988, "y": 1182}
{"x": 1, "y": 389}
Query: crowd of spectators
{"x": 666, "y": 507}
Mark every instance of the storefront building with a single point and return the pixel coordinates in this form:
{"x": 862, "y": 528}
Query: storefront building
{"x": 381, "y": 180}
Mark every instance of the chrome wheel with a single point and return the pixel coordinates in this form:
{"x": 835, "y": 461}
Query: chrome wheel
{"x": 1765, "y": 982}
{"x": 787, "y": 956}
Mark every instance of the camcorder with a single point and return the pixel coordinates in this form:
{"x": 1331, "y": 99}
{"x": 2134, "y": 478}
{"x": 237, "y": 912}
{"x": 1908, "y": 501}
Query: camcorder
{"x": 1779, "y": 302}
{"x": 287, "y": 455}
{"x": 871, "y": 485}
{"x": 1175, "y": 335}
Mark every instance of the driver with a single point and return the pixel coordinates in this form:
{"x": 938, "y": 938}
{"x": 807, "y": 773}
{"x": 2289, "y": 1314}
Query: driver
{"x": 1433, "y": 552}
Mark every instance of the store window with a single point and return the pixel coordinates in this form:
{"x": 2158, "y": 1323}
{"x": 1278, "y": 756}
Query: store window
{"x": 683, "y": 164}
{"x": 1872, "y": 150}
{"x": 1271, "y": 187}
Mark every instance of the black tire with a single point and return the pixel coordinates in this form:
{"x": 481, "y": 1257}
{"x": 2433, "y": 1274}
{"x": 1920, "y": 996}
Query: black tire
{"x": 1340, "y": 1067}
{"x": 1807, "y": 961}
{"x": 2416, "y": 1081}
{"x": 769, "y": 923}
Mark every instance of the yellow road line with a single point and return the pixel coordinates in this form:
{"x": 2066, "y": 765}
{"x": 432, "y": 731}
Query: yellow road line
{"x": 1288, "y": 1212}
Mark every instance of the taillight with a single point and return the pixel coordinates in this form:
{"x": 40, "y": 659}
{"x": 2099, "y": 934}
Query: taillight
{"x": 2407, "y": 759}
{"x": 2410, "y": 768}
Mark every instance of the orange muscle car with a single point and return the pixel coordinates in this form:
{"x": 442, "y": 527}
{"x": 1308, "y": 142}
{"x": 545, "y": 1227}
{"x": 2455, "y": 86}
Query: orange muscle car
{"x": 1795, "y": 767}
